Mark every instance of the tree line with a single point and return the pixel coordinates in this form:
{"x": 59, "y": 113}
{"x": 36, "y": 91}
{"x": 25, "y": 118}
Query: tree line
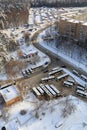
{"x": 48, "y": 3}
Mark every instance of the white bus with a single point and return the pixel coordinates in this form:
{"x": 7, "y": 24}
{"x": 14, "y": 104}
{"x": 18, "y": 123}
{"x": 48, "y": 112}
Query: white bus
{"x": 81, "y": 93}
{"x": 56, "y": 68}
{"x": 55, "y": 89}
{"x": 75, "y": 72}
{"x": 83, "y": 86}
{"x": 84, "y": 78}
{"x": 80, "y": 88}
{"x": 36, "y": 92}
{"x": 48, "y": 78}
{"x": 67, "y": 84}
{"x": 71, "y": 81}
{"x": 51, "y": 90}
{"x": 47, "y": 92}
{"x": 54, "y": 71}
{"x": 40, "y": 90}
{"x": 62, "y": 76}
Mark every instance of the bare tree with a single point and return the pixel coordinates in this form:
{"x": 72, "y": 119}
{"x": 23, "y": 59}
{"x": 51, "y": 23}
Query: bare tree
{"x": 20, "y": 53}
{"x": 13, "y": 67}
{"x": 24, "y": 88}
{"x": 69, "y": 107}
{"x": 5, "y": 114}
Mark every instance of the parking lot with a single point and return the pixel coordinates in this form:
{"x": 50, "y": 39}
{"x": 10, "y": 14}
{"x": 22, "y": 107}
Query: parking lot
{"x": 35, "y": 81}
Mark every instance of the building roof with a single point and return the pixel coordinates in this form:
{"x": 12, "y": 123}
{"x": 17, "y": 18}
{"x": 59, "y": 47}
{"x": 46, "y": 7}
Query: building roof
{"x": 9, "y": 93}
{"x": 31, "y": 52}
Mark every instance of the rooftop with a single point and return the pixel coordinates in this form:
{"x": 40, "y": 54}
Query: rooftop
{"x": 9, "y": 93}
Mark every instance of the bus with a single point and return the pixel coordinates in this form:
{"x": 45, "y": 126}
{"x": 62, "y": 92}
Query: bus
{"x": 81, "y": 93}
{"x": 47, "y": 78}
{"x": 49, "y": 95}
{"x": 54, "y": 71}
{"x": 36, "y": 92}
{"x": 51, "y": 90}
{"x": 83, "y": 86}
{"x": 75, "y": 72}
{"x": 67, "y": 84}
{"x": 71, "y": 81}
{"x": 40, "y": 90}
{"x": 55, "y": 89}
{"x": 62, "y": 76}
{"x": 80, "y": 88}
{"x": 56, "y": 68}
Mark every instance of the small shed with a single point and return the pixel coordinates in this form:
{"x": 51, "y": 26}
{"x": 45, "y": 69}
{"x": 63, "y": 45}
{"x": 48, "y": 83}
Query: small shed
{"x": 10, "y": 95}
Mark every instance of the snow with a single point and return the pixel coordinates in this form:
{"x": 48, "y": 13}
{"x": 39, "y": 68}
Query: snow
{"x": 77, "y": 61}
{"x": 3, "y": 76}
{"x": 12, "y": 125}
{"x": 50, "y": 114}
{"x": 76, "y": 78}
{"x": 26, "y": 49}
{"x": 77, "y": 119}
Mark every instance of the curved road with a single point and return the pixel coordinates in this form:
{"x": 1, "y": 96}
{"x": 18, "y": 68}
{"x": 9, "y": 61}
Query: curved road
{"x": 55, "y": 59}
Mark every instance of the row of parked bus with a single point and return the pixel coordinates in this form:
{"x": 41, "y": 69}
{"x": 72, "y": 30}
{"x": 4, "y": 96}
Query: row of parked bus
{"x": 27, "y": 72}
{"x": 48, "y": 91}
{"x": 51, "y": 77}
{"x": 83, "y": 77}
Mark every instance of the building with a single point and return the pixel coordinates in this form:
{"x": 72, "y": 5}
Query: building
{"x": 32, "y": 56}
{"x": 82, "y": 32}
{"x": 10, "y": 95}
{"x": 67, "y": 27}
{"x": 73, "y": 29}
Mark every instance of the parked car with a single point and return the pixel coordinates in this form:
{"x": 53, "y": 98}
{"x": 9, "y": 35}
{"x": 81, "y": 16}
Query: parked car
{"x": 63, "y": 66}
{"x": 45, "y": 70}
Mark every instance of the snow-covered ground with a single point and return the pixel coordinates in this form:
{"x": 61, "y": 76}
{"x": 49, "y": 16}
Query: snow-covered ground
{"x": 26, "y": 49}
{"x": 71, "y": 53}
{"x": 68, "y": 113}
{"x": 44, "y": 14}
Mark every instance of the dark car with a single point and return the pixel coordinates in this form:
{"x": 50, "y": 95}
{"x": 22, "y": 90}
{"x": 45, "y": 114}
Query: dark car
{"x": 46, "y": 63}
{"x": 46, "y": 70}
{"x": 63, "y": 66}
